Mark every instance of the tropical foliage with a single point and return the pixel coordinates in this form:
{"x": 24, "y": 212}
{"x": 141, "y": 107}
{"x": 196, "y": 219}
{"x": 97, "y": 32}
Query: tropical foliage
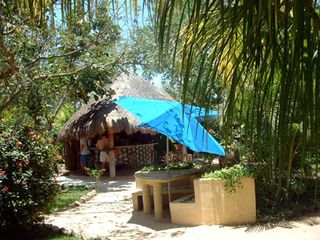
{"x": 266, "y": 55}
{"x": 231, "y": 176}
{"x": 48, "y": 61}
{"x": 258, "y": 60}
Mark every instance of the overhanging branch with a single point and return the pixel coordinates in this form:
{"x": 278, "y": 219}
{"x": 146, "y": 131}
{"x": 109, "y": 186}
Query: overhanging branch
{"x": 65, "y": 74}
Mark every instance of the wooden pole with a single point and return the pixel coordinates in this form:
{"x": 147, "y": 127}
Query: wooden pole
{"x": 111, "y": 138}
{"x": 112, "y": 159}
{"x": 183, "y": 153}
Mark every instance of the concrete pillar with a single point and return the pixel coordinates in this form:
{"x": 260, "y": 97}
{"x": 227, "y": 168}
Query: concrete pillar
{"x": 146, "y": 198}
{"x": 158, "y": 208}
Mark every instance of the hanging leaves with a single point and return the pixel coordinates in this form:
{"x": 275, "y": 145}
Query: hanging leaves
{"x": 266, "y": 54}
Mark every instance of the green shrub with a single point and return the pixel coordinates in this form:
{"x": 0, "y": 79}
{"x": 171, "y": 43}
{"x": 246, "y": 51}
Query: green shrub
{"x": 27, "y": 181}
{"x": 231, "y": 176}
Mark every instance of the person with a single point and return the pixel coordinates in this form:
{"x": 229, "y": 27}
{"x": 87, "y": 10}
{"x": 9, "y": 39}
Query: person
{"x": 102, "y": 146}
{"x": 84, "y": 155}
{"x": 96, "y": 158}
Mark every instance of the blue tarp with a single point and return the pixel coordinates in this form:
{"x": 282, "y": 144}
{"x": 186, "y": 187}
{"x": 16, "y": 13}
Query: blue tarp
{"x": 169, "y": 118}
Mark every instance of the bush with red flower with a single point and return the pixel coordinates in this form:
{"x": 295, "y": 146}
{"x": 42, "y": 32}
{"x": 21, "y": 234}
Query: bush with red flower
{"x": 27, "y": 180}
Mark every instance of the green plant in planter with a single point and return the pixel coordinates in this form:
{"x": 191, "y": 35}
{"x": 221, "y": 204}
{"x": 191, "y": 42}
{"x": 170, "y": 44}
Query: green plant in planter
{"x": 170, "y": 166}
{"x": 179, "y": 166}
{"x": 153, "y": 168}
{"x": 231, "y": 176}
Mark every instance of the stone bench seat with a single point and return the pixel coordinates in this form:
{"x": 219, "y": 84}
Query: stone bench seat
{"x": 137, "y": 195}
{"x": 185, "y": 199}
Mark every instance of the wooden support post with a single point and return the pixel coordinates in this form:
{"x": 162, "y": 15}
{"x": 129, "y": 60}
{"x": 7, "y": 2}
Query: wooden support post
{"x": 111, "y": 138}
{"x": 183, "y": 154}
{"x": 112, "y": 158}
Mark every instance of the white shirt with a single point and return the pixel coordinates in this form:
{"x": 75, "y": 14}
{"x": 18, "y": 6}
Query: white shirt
{"x": 84, "y": 144}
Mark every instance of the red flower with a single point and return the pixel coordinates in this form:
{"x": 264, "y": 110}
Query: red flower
{"x": 5, "y": 189}
{"x": 20, "y": 164}
{"x": 7, "y": 140}
{"x": 2, "y": 172}
{"x": 27, "y": 161}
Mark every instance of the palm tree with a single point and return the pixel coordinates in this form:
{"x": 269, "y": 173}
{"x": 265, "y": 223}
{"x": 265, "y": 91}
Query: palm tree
{"x": 266, "y": 53}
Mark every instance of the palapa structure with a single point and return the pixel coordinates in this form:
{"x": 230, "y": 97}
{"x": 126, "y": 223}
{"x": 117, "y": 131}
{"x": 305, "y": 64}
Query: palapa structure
{"x": 104, "y": 116}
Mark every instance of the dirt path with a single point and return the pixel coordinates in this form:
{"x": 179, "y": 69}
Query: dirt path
{"x": 109, "y": 215}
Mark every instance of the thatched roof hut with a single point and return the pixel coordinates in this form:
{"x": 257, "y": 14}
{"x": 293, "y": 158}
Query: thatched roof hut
{"x": 98, "y": 117}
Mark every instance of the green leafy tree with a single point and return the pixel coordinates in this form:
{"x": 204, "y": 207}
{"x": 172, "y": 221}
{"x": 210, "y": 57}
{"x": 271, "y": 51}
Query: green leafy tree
{"x": 47, "y": 64}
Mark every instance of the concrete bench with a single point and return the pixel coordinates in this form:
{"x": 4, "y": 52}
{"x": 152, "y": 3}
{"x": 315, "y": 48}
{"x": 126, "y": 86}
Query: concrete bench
{"x": 211, "y": 204}
{"x": 185, "y": 199}
{"x": 185, "y": 210}
{"x": 174, "y": 190}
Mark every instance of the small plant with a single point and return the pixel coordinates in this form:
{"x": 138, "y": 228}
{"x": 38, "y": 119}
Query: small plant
{"x": 96, "y": 174}
{"x": 231, "y": 176}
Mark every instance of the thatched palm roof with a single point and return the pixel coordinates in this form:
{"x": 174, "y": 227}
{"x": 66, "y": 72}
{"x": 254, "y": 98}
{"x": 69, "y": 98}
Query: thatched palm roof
{"x": 97, "y": 116}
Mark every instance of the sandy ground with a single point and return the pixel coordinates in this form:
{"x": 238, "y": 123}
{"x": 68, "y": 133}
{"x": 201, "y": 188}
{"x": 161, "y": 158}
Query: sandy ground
{"x": 109, "y": 215}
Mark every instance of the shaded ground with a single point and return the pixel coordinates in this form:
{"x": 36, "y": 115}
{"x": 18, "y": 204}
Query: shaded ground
{"x": 109, "y": 215}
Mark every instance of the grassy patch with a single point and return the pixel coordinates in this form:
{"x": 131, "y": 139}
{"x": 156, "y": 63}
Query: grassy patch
{"x": 66, "y": 197}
